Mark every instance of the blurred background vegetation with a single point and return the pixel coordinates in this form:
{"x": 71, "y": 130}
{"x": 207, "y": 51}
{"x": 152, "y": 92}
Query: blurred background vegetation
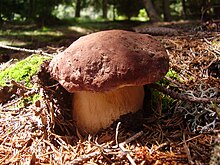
{"x": 53, "y": 12}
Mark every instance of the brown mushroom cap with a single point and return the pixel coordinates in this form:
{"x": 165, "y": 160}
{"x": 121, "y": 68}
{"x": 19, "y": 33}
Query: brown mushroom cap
{"x": 110, "y": 59}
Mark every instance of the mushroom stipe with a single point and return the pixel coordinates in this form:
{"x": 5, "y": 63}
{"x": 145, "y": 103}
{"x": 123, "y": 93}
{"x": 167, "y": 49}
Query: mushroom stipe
{"x": 105, "y": 107}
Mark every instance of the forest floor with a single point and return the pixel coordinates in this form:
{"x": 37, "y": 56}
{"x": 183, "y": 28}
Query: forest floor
{"x": 175, "y": 131}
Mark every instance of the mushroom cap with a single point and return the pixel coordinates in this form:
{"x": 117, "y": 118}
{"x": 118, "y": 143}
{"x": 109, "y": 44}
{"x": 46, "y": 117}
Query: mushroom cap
{"x": 110, "y": 59}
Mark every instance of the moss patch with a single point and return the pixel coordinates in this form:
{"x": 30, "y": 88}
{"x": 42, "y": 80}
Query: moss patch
{"x": 22, "y": 70}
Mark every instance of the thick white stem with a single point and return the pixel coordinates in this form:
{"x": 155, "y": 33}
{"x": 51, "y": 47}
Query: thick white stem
{"x": 93, "y": 111}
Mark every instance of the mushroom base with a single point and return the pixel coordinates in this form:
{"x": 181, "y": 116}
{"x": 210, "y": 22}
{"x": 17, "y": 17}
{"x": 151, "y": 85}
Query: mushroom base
{"x": 93, "y": 111}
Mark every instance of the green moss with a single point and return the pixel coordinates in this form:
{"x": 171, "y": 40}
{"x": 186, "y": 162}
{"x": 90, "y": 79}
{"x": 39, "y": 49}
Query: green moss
{"x": 22, "y": 70}
{"x": 165, "y": 101}
{"x": 171, "y": 74}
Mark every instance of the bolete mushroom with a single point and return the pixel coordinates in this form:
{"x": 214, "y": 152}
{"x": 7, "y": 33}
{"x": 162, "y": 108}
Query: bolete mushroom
{"x": 106, "y": 72}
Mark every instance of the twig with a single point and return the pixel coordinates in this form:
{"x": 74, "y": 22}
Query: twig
{"x": 175, "y": 82}
{"x": 19, "y": 85}
{"x": 121, "y": 146}
{"x": 85, "y": 157}
{"x": 207, "y": 41}
{"x": 127, "y": 154}
{"x": 158, "y": 147}
{"x": 187, "y": 150}
{"x": 116, "y": 133}
{"x": 183, "y": 97}
{"x": 190, "y": 139}
{"x": 26, "y": 50}
{"x": 137, "y": 135}
{"x": 215, "y": 50}
{"x": 5, "y": 65}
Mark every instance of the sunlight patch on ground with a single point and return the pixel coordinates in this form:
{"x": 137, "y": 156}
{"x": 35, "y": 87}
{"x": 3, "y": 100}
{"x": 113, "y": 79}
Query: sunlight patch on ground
{"x": 12, "y": 42}
{"x": 50, "y": 33}
{"x": 80, "y": 29}
{"x": 22, "y": 38}
{"x": 31, "y": 33}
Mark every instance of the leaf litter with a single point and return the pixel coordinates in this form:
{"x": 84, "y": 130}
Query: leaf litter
{"x": 180, "y": 133}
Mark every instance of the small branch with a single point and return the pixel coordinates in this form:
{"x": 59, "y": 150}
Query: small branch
{"x": 175, "y": 82}
{"x": 137, "y": 135}
{"x": 190, "y": 139}
{"x": 26, "y": 50}
{"x": 183, "y": 97}
{"x": 116, "y": 133}
{"x": 85, "y": 157}
{"x": 121, "y": 146}
{"x": 158, "y": 147}
{"x": 127, "y": 154}
{"x": 187, "y": 150}
{"x": 19, "y": 85}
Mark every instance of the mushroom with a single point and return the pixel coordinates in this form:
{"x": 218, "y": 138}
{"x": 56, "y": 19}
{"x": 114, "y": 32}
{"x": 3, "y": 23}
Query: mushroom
{"x": 106, "y": 72}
